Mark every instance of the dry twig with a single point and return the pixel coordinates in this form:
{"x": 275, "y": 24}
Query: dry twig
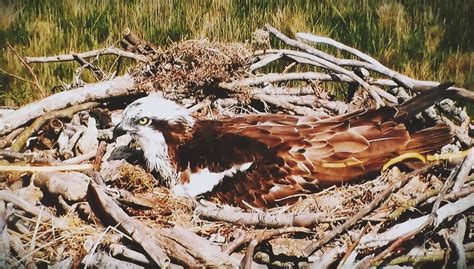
{"x": 130, "y": 226}
{"x": 364, "y": 211}
{"x": 430, "y": 220}
{"x": 85, "y": 55}
{"x": 34, "y": 127}
{"x": 10, "y": 197}
{"x": 92, "y": 92}
{"x": 374, "y": 91}
{"x": 258, "y": 219}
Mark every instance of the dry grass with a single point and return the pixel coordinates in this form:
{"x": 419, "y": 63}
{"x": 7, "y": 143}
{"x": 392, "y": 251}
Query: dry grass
{"x": 198, "y": 63}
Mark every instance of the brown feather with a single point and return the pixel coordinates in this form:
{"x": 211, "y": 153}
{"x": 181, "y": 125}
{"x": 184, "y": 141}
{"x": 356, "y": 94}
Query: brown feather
{"x": 294, "y": 155}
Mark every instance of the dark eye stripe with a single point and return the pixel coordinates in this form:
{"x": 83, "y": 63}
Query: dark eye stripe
{"x": 160, "y": 125}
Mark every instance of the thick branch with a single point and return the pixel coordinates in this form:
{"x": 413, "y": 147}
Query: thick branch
{"x": 132, "y": 227}
{"x": 36, "y": 125}
{"x": 259, "y": 219}
{"x": 88, "y": 54}
{"x": 10, "y": 197}
{"x": 399, "y": 230}
{"x": 92, "y": 92}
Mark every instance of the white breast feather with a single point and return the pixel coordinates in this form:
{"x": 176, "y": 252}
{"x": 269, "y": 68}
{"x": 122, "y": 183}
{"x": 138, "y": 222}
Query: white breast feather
{"x": 156, "y": 155}
{"x": 205, "y": 180}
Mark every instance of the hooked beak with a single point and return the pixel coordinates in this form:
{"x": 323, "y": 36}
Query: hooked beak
{"x": 118, "y": 131}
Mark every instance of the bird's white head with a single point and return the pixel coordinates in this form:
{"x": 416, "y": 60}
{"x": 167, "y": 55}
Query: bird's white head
{"x": 154, "y": 123}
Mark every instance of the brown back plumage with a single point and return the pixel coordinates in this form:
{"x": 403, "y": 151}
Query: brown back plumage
{"x": 293, "y": 155}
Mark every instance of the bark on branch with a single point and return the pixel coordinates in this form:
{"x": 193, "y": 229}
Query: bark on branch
{"x": 322, "y": 58}
{"x": 92, "y": 92}
{"x": 88, "y": 54}
{"x": 402, "y": 80}
{"x": 258, "y": 219}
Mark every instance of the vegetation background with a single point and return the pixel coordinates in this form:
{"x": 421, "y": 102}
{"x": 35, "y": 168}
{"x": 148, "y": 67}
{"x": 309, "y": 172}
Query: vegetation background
{"x": 426, "y": 39}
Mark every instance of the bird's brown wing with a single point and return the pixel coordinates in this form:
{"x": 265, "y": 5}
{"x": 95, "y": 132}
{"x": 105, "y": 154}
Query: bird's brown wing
{"x": 304, "y": 157}
{"x": 303, "y": 154}
{"x": 221, "y": 145}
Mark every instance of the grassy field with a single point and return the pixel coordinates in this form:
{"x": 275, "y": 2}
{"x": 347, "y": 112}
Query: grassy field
{"x": 424, "y": 39}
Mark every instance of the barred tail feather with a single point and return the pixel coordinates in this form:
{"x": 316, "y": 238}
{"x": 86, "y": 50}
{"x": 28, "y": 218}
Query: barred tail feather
{"x": 429, "y": 140}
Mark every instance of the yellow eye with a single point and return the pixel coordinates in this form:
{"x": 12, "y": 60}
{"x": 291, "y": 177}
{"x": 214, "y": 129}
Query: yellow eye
{"x": 143, "y": 121}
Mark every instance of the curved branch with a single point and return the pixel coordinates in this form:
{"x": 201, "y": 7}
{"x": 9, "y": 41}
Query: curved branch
{"x": 92, "y": 92}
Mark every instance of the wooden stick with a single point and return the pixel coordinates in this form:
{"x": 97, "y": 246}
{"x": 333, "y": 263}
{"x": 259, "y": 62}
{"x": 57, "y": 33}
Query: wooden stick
{"x": 36, "y": 125}
{"x": 411, "y": 83}
{"x": 267, "y": 59}
{"x": 432, "y": 256}
{"x": 199, "y": 247}
{"x": 309, "y": 76}
{"x": 310, "y": 249}
{"x": 17, "y": 77}
{"x": 307, "y": 58}
{"x": 395, "y": 232}
{"x": 430, "y": 221}
{"x": 92, "y": 92}
{"x": 353, "y": 246}
{"x": 34, "y": 169}
{"x": 80, "y": 158}
{"x": 328, "y": 64}
{"x": 239, "y": 240}
{"x": 99, "y": 74}
{"x": 274, "y": 90}
{"x": 466, "y": 167}
{"x": 246, "y": 262}
{"x": 305, "y": 111}
{"x": 16, "y": 155}
{"x": 257, "y": 237}
{"x": 181, "y": 244}
{"x": 85, "y": 55}
{"x": 460, "y": 227}
{"x": 30, "y": 208}
{"x": 104, "y": 260}
{"x": 374, "y": 64}
{"x": 327, "y": 258}
{"x": 130, "y": 226}
{"x": 123, "y": 251}
{"x": 456, "y": 240}
{"x": 259, "y": 219}
{"x": 8, "y": 140}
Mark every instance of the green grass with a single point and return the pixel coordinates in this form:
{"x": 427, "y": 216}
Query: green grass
{"x": 424, "y": 39}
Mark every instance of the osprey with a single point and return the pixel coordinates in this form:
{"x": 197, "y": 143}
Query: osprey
{"x": 268, "y": 160}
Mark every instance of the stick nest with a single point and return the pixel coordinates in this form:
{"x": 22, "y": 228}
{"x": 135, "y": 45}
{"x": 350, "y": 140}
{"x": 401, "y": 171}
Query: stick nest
{"x": 123, "y": 204}
{"x": 196, "y": 64}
